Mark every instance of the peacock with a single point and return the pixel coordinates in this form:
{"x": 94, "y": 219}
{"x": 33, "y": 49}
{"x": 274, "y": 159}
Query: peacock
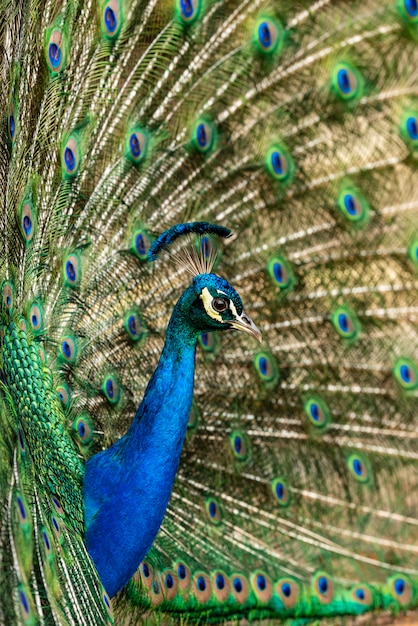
{"x": 208, "y": 311}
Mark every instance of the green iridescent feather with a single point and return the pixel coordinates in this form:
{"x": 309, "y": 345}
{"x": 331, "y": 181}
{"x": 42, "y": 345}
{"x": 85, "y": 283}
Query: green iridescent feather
{"x": 294, "y": 124}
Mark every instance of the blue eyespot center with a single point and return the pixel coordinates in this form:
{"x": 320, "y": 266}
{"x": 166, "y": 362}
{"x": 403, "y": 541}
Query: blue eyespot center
{"x": 55, "y": 524}
{"x": 360, "y": 594}
{"x": 205, "y": 339}
{"x": 286, "y": 590}
{"x": 110, "y": 20}
{"x": 343, "y": 322}
{"x": 135, "y": 145}
{"x": 220, "y": 581}
{"x": 54, "y": 55}
{"x": 237, "y": 585}
{"x": 264, "y": 35}
{"x": 278, "y": 272}
{"x": 238, "y": 444}
{"x": 145, "y": 570}
{"x": 66, "y": 348}
{"x": 46, "y": 540}
{"x": 24, "y": 601}
{"x": 21, "y": 506}
{"x": 205, "y": 247}
{"x": 358, "y": 467}
{"x": 399, "y": 586}
{"x": 322, "y": 584}
{"x": 132, "y": 325}
{"x": 81, "y": 429}
{"x": 12, "y": 126}
{"x": 344, "y": 82}
{"x": 411, "y": 7}
{"x": 187, "y": 8}
{"x": 109, "y": 388}
{"x": 277, "y": 163}
{"x": 201, "y": 135}
{"x": 156, "y": 587}
{"x": 70, "y": 271}
{"x": 181, "y": 571}
{"x": 412, "y": 125}
{"x": 34, "y": 319}
{"x": 212, "y": 509}
{"x": 280, "y": 491}
{"x": 314, "y": 411}
{"x": 405, "y": 372}
{"x": 201, "y": 583}
{"x": 350, "y": 204}
{"x": 69, "y": 159}
{"x": 140, "y": 244}
{"x": 263, "y": 365}
{"x": 8, "y": 300}
{"x": 169, "y": 581}
{"x": 106, "y": 600}
{"x": 261, "y": 582}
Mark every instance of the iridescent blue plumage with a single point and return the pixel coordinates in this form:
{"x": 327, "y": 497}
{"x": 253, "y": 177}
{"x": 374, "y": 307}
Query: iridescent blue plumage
{"x": 128, "y": 486}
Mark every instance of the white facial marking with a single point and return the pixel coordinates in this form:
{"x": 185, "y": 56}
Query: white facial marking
{"x": 207, "y": 303}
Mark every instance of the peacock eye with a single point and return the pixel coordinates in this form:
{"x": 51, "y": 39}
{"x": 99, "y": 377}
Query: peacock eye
{"x": 219, "y": 304}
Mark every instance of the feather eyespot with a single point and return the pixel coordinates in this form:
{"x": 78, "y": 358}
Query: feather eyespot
{"x": 11, "y": 125}
{"x": 57, "y": 505}
{"x": 83, "y": 429}
{"x": 36, "y": 317}
{"x": 136, "y": 145}
{"x": 188, "y": 10}
{"x": 71, "y": 156}
{"x": 111, "y": 19}
{"x": 401, "y": 589}
{"x": 268, "y": 35}
{"x": 171, "y": 584}
{"x": 324, "y": 588}
{"x": 288, "y": 591}
{"x": 202, "y": 588}
{"x": 183, "y": 575}
{"x": 147, "y": 574}
{"x": 353, "y": 206}
{"x": 63, "y": 393}
{"x": 213, "y": 510}
{"x": 111, "y": 389}
{"x": 8, "y": 296}
{"x": 317, "y": 412}
{"x": 239, "y": 588}
{"x": 280, "y": 164}
{"x": 204, "y": 136}
{"x": 56, "y": 51}
{"x": 21, "y": 509}
{"x": 72, "y": 270}
{"x": 221, "y": 586}
{"x": 68, "y": 349}
{"x": 262, "y": 586}
{"x": 347, "y": 81}
{"x": 240, "y": 445}
{"x": 134, "y": 326}
{"x": 56, "y": 527}
{"x": 266, "y": 368}
{"x": 209, "y": 342}
{"x": 359, "y": 468}
{"x": 281, "y": 491}
{"x": 346, "y": 323}
{"x": 25, "y": 603}
{"x": 362, "y": 595}
{"x": 281, "y": 273}
{"x": 140, "y": 244}
{"x": 406, "y": 373}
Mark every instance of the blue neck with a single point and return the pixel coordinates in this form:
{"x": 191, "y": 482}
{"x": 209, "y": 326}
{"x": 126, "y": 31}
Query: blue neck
{"x": 128, "y": 486}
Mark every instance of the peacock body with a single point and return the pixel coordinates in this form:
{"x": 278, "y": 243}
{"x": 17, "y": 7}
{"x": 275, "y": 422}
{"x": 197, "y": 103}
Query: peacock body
{"x": 295, "y": 124}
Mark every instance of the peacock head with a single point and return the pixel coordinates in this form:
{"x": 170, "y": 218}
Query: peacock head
{"x": 210, "y": 303}
{"x": 213, "y": 304}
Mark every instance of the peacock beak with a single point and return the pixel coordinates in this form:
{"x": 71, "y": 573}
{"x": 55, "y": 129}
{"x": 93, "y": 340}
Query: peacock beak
{"x": 245, "y": 323}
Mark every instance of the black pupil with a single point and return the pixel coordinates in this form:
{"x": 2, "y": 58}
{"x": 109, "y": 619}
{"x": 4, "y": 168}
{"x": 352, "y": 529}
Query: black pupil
{"x": 219, "y": 304}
